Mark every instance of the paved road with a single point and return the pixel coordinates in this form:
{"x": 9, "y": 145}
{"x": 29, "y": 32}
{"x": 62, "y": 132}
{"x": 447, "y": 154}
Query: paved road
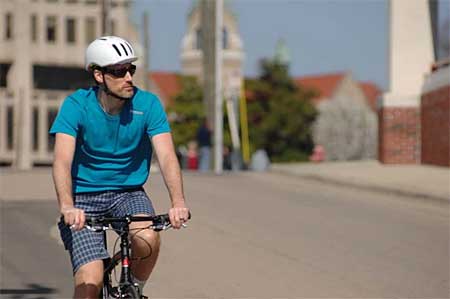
{"x": 261, "y": 236}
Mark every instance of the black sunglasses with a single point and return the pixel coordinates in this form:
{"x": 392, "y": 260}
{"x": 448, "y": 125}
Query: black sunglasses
{"x": 120, "y": 72}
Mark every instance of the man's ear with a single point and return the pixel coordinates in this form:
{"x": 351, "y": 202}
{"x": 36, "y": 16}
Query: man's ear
{"x": 98, "y": 76}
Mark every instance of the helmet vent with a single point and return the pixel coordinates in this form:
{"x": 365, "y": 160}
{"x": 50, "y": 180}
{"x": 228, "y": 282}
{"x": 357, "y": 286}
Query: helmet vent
{"x": 117, "y": 50}
{"x": 129, "y": 47}
{"x": 123, "y": 47}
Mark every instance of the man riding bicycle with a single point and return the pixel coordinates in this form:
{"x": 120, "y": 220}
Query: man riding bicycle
{"x": 103, "y": 149}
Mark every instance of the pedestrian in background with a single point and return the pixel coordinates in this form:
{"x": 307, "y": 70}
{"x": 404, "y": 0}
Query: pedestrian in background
{"x": 204, "y": 144}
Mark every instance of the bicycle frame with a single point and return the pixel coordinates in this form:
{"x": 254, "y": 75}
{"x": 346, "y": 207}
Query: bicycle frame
{"x": 126, "y": 285}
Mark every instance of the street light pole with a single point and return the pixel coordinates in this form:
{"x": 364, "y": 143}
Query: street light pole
{"x": 218, "y": 113}
{"x": 146, "y": 51}
{"x": 105, "y": 18}
{"x": 212, "y": 20}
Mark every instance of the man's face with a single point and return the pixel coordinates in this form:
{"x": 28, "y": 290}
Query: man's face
{"x": 119, "y": 79}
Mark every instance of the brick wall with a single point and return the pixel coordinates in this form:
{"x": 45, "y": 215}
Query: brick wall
{"x": 399, "y": 135}
{"x": 435, "y": 118}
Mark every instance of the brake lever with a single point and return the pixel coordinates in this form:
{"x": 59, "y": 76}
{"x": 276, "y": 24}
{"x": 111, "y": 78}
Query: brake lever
{"x": 165, "y": 227}
{"x": 96, "y": 228}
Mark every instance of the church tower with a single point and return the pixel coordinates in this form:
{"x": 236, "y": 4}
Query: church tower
{"x": 233, "y": 53}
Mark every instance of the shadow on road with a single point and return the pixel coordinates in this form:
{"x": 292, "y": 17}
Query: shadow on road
{"x": 28, "y": 292}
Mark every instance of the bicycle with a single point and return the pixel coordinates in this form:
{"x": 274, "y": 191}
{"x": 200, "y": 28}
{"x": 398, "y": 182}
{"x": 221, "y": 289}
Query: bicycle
{"x": 125, "y": 287}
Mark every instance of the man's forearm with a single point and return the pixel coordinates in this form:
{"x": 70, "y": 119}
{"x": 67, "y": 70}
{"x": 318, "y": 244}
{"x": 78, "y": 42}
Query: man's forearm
{"x": 62, "y": 179}
{"x": 171, "y": 172}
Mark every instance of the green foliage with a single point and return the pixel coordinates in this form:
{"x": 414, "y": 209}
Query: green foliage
{"x": 186, "y": 115}
{"x": 280, "y": 115}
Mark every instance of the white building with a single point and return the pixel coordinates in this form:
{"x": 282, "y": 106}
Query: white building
{"x": 42, "y": 44}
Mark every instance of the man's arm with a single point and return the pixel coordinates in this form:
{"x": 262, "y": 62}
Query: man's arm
{"x": 170, "y": 169}
{"x": 62, "y": 178}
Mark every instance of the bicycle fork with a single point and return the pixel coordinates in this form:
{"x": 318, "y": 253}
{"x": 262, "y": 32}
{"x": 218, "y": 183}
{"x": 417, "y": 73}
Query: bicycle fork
{"x": 125, "y": 282}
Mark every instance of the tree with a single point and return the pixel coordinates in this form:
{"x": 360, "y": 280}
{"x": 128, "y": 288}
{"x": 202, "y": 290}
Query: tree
{"x": 347, "y": 129}
{"x": 280, "y": 115}
{"x": 186, "y": 114}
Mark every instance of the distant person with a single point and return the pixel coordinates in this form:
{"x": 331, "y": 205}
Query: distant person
{"x": 318, "y": 154}
{"x": 192, "y": 156}
{"x": 227, "y": 158}
{"x": 204, "y": 144}
{"x": 103, "y": 149}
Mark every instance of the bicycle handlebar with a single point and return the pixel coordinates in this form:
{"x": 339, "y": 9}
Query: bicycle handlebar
{"x": 159, "y": 222}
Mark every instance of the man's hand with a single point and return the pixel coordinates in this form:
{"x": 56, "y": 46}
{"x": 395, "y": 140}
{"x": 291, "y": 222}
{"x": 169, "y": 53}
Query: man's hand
{"x": 178, "y": 214}
{"x": 73, "y": 217}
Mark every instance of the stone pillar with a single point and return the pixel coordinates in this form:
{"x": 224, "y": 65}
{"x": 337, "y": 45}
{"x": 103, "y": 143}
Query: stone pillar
{"x": 410, "y": 58}
{"x": 21, "y": 82}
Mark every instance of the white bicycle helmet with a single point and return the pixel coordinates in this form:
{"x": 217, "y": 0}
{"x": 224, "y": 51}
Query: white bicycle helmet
{"x": 109, "y": 50}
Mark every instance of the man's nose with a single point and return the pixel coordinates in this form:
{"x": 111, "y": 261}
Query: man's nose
{"x": 128, "y": 76}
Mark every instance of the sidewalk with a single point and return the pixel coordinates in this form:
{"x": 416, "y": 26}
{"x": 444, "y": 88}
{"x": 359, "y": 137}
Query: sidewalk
{"x": 420, "y": 181}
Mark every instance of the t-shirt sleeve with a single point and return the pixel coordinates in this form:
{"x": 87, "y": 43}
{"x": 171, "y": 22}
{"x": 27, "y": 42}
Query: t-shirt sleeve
{"x": 68, "y": 118}
{"x": 157, "y": 120}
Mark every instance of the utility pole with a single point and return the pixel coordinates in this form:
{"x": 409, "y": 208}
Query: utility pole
{"x": 207, "y": 45}
{"x": 105, "y": 18}
{"x": 212, "y": 24}
{"x": 218, "y": 115}
{"x": 146, "y": 51}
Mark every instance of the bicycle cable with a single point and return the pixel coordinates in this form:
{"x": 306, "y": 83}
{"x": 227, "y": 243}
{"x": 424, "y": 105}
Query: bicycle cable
{"x": 119, "y": 231}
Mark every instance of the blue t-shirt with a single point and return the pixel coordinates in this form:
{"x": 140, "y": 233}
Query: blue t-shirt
{"x": 112, "y": 151}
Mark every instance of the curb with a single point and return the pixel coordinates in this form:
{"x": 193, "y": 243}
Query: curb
{"x": 369, "y": 187}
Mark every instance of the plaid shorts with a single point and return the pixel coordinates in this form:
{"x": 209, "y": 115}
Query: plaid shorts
{"x": 86, "y": 246}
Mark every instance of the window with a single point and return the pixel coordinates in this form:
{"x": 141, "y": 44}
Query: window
{"x": 10, "y": 127}
{"x": 51, "y": 29}
{"x": 34, "y": 28}
{"x": 198, "y": 39}
{"x": 60, "y": 77}
{"x": 224, "y": 38}
{"x": 4, "y": 69}
{"x": 51, "y": 115}
{"x": 70, "y": 30}
{"x": 90, "y": 30}
{"x": 8, "y": 26}
{"x": 35, "y": 129}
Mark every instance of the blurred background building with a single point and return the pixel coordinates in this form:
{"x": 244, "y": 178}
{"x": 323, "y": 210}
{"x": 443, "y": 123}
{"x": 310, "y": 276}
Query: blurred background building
{"x": 42, "y": 45}
{"x": 166, "y": 84}
{"x": 414, "y": 114}
{"x": 42, "y": 61}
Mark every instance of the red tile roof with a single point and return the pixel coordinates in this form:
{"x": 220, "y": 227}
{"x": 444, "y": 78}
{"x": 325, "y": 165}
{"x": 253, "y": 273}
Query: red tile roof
{"x": 168, "y": 85}
{"x": 324, "y": 84}
{"x": 372, "y": 92}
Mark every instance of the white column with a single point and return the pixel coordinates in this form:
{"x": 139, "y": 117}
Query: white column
{"x": 21, "y": 83}
{"x": 410, "y": 52}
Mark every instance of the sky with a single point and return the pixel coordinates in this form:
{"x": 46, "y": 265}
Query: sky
{"x": 323, "y": 36}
